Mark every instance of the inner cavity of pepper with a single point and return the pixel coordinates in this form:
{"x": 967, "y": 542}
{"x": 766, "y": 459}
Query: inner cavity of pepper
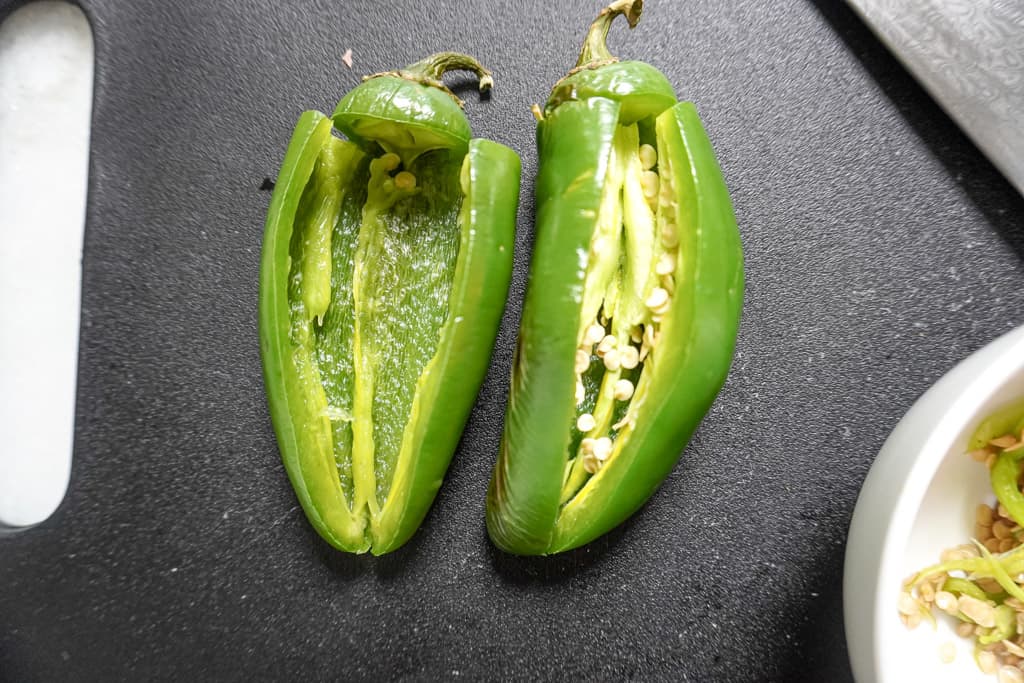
{"x": 628, "y": 292}
{"x": 372, "y": 261}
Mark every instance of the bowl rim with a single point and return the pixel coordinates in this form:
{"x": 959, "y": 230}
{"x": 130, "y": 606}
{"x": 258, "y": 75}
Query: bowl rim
{"x": 895, "y": 487}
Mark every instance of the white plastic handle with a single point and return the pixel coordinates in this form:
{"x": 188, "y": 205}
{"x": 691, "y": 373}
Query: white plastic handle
{"x": 46, "y": 75}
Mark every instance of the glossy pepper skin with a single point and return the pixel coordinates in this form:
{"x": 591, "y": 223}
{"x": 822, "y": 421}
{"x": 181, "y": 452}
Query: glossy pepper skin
{"x": 635, "y": 241}
{"x": 385, "y": 266}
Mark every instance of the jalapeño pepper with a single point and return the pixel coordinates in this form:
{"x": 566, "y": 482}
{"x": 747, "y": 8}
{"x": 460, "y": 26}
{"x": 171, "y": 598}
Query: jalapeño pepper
{"x": 385, "y": 266}
{"x": 632, "y": 306}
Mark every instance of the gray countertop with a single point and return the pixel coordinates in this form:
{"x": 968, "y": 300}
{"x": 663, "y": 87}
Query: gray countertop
{"x": 881, "y": 248}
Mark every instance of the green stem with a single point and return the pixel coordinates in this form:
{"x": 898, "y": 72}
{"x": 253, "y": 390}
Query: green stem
{"x": 595, "y": 46}
{"x": 432, "y": 68}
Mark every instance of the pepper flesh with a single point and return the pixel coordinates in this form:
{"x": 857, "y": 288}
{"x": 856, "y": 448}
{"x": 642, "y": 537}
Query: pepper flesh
{"x": 636, "y": 244}
{"x": 386, "y": 262}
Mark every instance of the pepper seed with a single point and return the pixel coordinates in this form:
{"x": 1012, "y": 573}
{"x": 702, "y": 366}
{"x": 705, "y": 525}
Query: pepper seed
{"x": 581, "y": 392}
{"x": 666, "y": 264}
{"x": 983, "y": 516}
{"x": 657, "y": 300}
{"x": 629, "y": 357}
{"x": 669, "y": 238}
{"x": 602, "y": 448}
{"x": 623, "y": 390}
{"x": 978, "y": 611}
{"x": 582, "y": 361}
{"x": 947, "y": 602}
{"x": 593, "y": 335}
{"x": 650, "y": 182}
{"x": 606, "y": 345}
{"x": 585, "y": 422}
{"x": 648, "y": 157}
{"x": 591, "y": 464}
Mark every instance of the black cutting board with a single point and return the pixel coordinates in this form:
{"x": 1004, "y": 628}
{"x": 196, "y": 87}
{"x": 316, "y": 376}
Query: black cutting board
{"x": 881, "y": 249}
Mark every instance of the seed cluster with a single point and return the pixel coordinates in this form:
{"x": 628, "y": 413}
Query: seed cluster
{"x": 619, "y": 350}
{"x": 964, "y": 585}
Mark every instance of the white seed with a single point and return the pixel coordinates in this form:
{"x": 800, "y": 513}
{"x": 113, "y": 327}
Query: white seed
{"x": 1010, "y": 674}
{"x": 629, "y": 357}
{"x": 946, "y": 602}
{"x": 591, "y": 464}
{"x": 666, "y": 264}
{"x": 666, "y": 194}
{"x": 594, "y": 334}
{"x": 947, "y": 652}
{"x": 650, "y": 183}
{"x": 606, "y": 345}
{"x": 657, "y": 300}
{"x": 623, "y": 390}
{"x": 405, "y": 181}
{"x": 587, "y": 445}
{"x": 907, "y": 604}
{"x": 987, "y": 662}
{"x": 581, "y": 392}
{"x": 582, "y": 361}
{"x": 612, "y": 360}
{"x": 602, "y": 448}
{"x": 978, "y": 611}
{"x": 650, "y": 337}
{"x": 585, "y": 422}
{"x": 648, "y": 157}
{"x": 669, "y": 238}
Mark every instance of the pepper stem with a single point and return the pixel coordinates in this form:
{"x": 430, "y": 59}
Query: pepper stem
{"x": 437, "y": 65}
{"x": 595, "y": 45}
{"x": 428, "y": 71}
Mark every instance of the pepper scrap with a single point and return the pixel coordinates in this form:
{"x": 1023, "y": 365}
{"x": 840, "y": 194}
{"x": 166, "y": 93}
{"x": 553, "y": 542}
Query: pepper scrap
{"x": 999, "y": 439}
{"x": 386, "y": 262}
{"x": 632, "y": 306}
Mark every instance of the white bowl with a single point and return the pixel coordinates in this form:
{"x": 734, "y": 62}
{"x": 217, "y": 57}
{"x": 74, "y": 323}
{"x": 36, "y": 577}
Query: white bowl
{"x": 918, "y": 499}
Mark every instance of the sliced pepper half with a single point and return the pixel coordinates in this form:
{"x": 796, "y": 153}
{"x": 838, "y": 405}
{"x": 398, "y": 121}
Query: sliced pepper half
{"x": 632, "y": 306}
{"x": 385, "y": 267}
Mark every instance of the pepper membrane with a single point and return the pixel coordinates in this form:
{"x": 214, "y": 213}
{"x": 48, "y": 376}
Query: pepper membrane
{"x": 632, "y": 306}
{"x": 385, "y": 266}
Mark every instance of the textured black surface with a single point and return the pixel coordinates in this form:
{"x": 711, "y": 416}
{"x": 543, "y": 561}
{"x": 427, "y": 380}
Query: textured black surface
{"x": 881, "y": 249}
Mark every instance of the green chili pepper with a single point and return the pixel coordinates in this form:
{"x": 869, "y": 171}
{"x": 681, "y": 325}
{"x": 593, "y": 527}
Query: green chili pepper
{"x": 632, "y": 306}
{"x": 959, "y": 586}
{"x": 1003, "y": 477}
{"x": 385, "y": 267}
{"x": 1008, "y": 420}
